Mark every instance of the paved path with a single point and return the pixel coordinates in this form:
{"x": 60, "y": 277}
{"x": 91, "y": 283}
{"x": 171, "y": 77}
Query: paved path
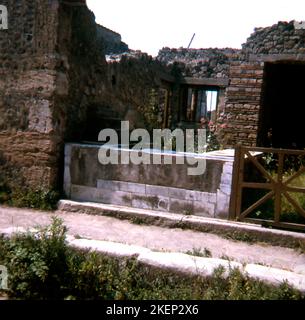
{"x": 156, "y": 238}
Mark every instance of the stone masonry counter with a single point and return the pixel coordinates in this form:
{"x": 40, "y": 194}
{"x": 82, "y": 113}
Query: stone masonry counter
{"x": 163, "y": 187}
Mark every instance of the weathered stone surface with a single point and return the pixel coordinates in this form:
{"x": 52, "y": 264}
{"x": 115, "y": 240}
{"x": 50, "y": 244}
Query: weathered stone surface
{"x": 282, "y": 37}
{"x": 171, "y": 190}
{"x": 201, "y": 63}
{"x": 56, "y": 85}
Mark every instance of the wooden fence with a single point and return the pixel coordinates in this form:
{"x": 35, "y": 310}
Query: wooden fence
{"x": 276, "y": 183}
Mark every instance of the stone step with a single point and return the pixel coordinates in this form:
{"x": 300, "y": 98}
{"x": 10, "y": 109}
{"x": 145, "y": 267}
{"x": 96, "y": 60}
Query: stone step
{"x": 228, "y": 229}
{"x": 172, "y": 248}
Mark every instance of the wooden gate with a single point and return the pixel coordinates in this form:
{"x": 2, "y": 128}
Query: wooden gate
{"x": 276, "y": 185}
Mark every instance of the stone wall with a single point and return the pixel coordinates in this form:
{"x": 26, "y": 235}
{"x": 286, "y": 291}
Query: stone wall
{"x": 239, "y": 113}
{"x": 162, "y": 187}
{"x": 200, "y": 63}
{"x": 241, "y": 118}
{"x": 282, "y": 37}
{"x": 112, "y": 41}
{"x": 56, "y": 86}
{"x": 127, "y": 93}
{"x": 28, "y": 141}
{"x": 45, "y": 87}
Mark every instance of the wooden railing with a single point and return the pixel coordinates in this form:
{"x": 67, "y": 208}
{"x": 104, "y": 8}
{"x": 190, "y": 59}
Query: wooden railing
{"x": 276, "y": 183}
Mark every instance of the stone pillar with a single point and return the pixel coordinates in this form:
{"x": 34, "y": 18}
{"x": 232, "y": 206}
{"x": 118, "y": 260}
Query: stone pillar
{"x": 242, "y": 106}
{"x": 28, "y": 143}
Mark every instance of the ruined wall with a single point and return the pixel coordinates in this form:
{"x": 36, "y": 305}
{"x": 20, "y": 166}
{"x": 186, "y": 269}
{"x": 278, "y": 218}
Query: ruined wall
{"x": 240, "y": 109}
{"x": 282, "y": 37}
{"x": 56, "y": 86}
{"x": 127, "y": 93}
{"x": 204, "y": 63}
{"x": 241, "y": 119}
{"x": 28, "y": 141}
{"x": 46, "y": 84}
{"x": 112, "y": 41}
{"x": 200, "y": 63}
{"x": 82, "y": 68}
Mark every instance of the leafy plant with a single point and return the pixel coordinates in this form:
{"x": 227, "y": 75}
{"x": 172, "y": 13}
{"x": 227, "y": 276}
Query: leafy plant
{"x": 37, "y": 263}
{"x": 36, "y": 199}
{"x": 42, "y": 266}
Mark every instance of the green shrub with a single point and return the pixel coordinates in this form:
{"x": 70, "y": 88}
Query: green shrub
{"x": 299, "y": 182}
{"x": 37, "y": 199}
{"x": 37, "y": 263}
{"x": 42, "y": 266}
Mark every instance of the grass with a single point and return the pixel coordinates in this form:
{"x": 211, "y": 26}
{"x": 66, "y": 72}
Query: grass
{"x": 205, "y": 253}
{"x": 42, "y": 266}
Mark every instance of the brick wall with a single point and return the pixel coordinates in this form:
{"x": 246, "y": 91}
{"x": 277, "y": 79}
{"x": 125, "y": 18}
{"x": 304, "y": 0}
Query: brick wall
{"x": 243, "y": 99}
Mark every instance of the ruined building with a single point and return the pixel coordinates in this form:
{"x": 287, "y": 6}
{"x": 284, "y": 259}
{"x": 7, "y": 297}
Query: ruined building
{"x": 63, "y": 79}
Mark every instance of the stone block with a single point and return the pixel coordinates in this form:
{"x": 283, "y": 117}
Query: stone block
{"x": 150, "y": 202}
{"x": 176, "y": 193}
{"x": 204, "y": 209}
{"x": 141, "y": 203}
{"x": 67, "y": 181}
{"x": 222, "y": 205}
{"x": 156, "y": 190}
{"x": 193, "y": 195}
{"x": 181, "y": 206}
{"x": 82, "y": 193}
{"x": 133, "y": 187}
{"x": 212, "y": 197}
{"x": 226, "y": 189}
{"x": 114, "y": 197}
{"x": 228, "y": 168}
{"x": 108, "y": 185}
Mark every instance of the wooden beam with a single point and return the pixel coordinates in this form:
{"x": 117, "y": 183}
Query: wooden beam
{"x": 213, "y": 82}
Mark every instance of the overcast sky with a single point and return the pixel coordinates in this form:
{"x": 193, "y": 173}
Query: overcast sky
{"x": 149, "y": 25}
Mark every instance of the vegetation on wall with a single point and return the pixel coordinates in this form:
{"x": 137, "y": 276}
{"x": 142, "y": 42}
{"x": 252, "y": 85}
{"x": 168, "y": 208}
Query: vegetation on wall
{"x": 14, "y": 190}
{"x": 28, "y": 198}
{"x": 152, "y": 112}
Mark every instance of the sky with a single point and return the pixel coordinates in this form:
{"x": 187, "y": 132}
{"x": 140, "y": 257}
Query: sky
{"x": 150, "y": 25}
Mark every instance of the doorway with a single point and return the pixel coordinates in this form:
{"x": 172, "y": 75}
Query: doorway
{"x": 283, "y": 102}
